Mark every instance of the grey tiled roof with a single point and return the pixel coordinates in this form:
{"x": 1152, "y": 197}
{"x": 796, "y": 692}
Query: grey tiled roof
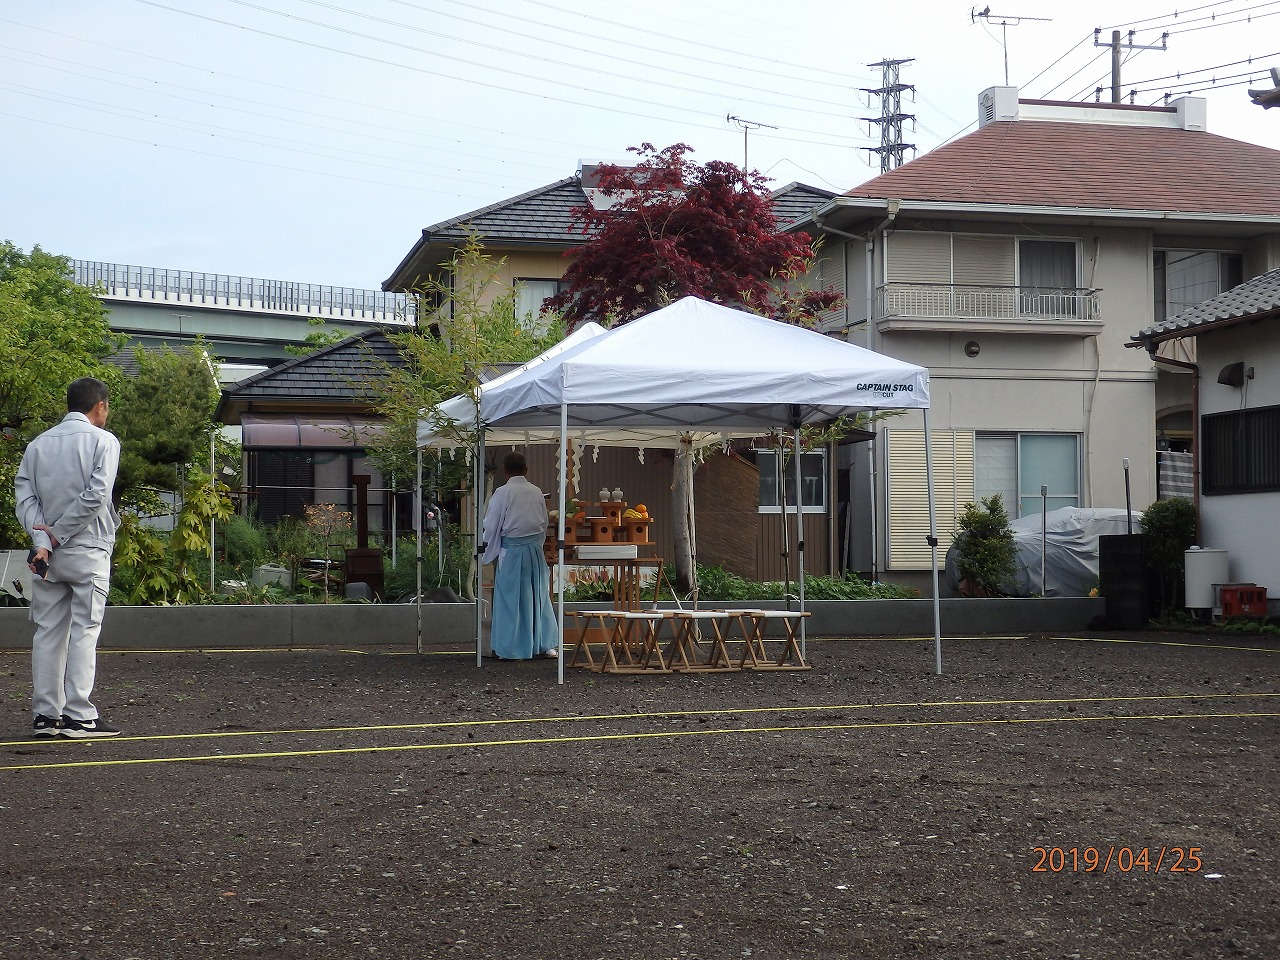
{"x": 544, "y": 215}
{"x": 1251, "y": 298}
{"x": 340, "y": 373}
{"x": 795, "y": 200}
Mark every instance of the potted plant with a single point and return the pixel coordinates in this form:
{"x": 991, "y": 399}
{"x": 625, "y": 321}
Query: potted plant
{"x": 984, "y": 549}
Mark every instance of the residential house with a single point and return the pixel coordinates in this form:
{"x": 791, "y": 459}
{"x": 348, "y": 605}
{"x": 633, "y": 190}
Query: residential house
{"x": 1014, "y": 263}
{"x": 1236, "y": 396}
{"x": 532, "y": 235}
{"x": 305, "y": 426}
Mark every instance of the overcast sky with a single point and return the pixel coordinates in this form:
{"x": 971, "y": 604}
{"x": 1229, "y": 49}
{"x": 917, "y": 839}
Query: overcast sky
{"x": 312, "y": 141}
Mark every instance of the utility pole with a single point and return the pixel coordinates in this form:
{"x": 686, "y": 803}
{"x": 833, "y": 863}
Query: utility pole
{"x": 1006, "y": 21}
{"x": 891, "y": 116}
{"x": 1116, "y": 46}
{"x": 747, "y": 126}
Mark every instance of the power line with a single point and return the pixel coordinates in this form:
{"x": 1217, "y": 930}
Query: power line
{"x": 1185, "y": 73}
{"x": 629, "y": 44}
{"x": 401, "y": 25}
{"x": 481, "y": 83}
{"x": 701, "y": 43}
{"x": 228, "y": 133}
{"x": 1226, "y": 23}
{"x": 187, "y": 65}
{"x": 267, "y": 116}
{"x": 1176, "y": 15}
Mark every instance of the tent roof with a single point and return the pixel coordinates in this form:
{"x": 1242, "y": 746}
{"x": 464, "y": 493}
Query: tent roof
{"x": 693, "y": 367}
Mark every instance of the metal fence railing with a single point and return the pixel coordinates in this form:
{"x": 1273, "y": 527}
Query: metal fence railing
{"x": 217, "y": 289}
{"x": 987, "y": 302}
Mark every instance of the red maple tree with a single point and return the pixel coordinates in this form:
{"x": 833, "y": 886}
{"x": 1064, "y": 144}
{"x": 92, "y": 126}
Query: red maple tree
{"x": 677, "y": 228}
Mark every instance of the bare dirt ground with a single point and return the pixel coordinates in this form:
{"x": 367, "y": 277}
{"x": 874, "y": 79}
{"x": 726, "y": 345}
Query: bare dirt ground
{"x": 367, "y": 803}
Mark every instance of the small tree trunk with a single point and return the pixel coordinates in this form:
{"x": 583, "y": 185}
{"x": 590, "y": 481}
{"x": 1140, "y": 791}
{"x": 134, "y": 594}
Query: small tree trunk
{"x": 681, "y": 513}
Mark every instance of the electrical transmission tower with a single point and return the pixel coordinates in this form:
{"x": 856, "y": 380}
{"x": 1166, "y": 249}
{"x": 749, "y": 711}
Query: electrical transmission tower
{"x": 891, "y": 116}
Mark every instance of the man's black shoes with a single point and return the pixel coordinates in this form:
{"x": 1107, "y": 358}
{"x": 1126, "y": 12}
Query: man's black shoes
{"x": 46, "y": 727}
{"x": 86, "y": 729}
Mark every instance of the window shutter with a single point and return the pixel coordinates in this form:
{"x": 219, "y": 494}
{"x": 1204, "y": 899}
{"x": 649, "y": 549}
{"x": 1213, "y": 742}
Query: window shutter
{"x": 985, "y": 261}
{"x": 909, "y": 493}
{"x": 831, "y": 277}
{"x": 918, "y": 257}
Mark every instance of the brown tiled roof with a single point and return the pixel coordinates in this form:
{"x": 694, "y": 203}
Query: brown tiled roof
{"x": 1100, "y": 166}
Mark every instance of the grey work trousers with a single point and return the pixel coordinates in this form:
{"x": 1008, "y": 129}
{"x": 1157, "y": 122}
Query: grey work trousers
{"x": 67, "y": 607}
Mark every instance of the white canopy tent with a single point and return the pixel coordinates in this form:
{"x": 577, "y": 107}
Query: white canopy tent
{"x": 691, "y": 372}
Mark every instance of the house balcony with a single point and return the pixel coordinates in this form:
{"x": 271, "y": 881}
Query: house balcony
{"x": 974, "y": 308}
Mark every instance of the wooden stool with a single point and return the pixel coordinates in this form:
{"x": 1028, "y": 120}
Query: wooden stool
{"x": 582, "y": 645}
{"x": 637, "y": 652}
{"x": 684, "y": 647}
{"x": 754, "y": 654}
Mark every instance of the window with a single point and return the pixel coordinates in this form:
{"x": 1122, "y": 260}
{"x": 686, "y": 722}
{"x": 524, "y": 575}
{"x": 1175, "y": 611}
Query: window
{"x": 1240, "y": 451}
{"x": 531, "y": 294}
{"x": 1047, "y": 277}
{"x": 1184, "y": 278}
{"x": 1016, "y": 465}
{"x": 813, "y": 481}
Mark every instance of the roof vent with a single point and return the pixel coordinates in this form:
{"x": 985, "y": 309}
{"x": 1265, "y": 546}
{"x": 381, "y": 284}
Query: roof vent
{"x": 997, "y": 103}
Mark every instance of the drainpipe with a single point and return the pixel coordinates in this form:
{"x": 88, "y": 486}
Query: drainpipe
{"x": 1195, "y": 422}
{"x": 869, "y": 241}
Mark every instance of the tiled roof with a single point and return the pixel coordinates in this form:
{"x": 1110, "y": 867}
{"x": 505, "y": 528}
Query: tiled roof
{"x": 1048, "y": 163}
{"x": 340, "y": 373}
{"x": 544, "y": 215}
{"x": 1250, "y": 299}
{"x": 795, "y": 200}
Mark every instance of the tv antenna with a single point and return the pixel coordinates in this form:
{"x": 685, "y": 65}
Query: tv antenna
{"x": 1006, "y": 21}
{"x": 747, "y": 126}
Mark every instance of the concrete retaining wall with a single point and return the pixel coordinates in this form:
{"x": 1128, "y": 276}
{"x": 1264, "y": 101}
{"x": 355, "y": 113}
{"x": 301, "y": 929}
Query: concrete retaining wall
{"x": 309, "y": 625}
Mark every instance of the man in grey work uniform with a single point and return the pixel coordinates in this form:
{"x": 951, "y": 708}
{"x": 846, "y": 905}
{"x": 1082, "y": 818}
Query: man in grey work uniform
{"x": 64, "y": 502}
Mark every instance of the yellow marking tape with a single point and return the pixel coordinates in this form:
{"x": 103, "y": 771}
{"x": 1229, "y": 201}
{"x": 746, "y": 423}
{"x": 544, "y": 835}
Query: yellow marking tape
{"x": 124, "y": 651}
{"x": 530, "y": 741}
{"x": 657, "y": 714}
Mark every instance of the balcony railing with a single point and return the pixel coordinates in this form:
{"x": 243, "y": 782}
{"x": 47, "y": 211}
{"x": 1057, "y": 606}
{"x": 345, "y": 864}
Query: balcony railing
{"x": 220, "y": 290}
{"x": 987, "y": 302}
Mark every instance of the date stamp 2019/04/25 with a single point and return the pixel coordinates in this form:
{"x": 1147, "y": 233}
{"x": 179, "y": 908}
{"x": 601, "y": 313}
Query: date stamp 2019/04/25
{"x": 1116, "y": 859}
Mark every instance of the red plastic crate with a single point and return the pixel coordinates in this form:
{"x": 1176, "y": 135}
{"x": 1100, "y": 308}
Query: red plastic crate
{"x": 1243, "y": 600}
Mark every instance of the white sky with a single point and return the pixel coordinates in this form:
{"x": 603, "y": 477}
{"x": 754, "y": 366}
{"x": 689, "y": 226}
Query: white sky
{"x": 312, "y": 141}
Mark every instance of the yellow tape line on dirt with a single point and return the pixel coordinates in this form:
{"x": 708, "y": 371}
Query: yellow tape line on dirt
{"x": 661, "y": 714}
{"x": 665, "y": 734}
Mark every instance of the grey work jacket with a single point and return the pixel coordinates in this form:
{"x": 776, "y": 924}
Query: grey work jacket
{"x": 65, "y": 481}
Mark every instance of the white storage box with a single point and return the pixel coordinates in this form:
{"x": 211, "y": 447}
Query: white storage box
{"x": 607, "y": 551}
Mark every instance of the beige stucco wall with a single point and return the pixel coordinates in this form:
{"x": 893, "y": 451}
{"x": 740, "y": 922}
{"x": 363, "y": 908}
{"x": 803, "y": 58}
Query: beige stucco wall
{"x": 520, "y": 264}
{"x": 1093, "y": 386}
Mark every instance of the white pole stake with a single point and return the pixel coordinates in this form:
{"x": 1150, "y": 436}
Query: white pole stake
{"x": 795, "y": 443}
{"x": 1044, "y": 529}
{"x": 933, "y": 547}
{"x": 417, "y": 553}
{"x": 213, "y": 491}
{"x": 560, "y": 528}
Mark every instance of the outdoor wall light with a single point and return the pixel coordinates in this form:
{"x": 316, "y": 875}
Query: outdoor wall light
{"x": 972, "y": 348}
{"x": 1235, "y": 374}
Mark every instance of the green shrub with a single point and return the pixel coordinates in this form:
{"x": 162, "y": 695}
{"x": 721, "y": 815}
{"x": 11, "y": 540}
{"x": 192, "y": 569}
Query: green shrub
{"x": 984, "y": 549}
{"x": 1170, "y": 528}
{"x": 244, "y": 543}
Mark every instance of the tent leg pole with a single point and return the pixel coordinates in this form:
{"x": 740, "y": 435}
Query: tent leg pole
{"x": 560, "y": 528}
{"x": 933, "y": 547}
{"x": 417, "y": 553}
{"x": 478, "y": 483}
{"x": 795, "y": 442}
